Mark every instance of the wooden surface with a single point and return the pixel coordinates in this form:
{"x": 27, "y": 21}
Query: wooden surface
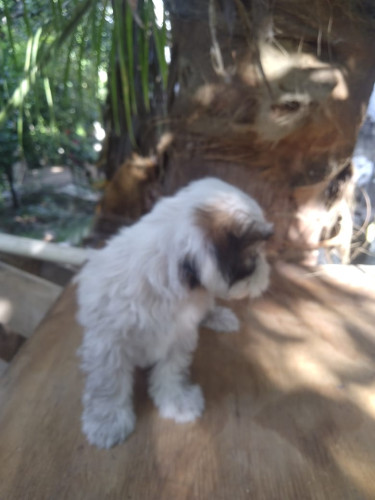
{"x": 290, "y": 407}
{"x": 24, "y": 299}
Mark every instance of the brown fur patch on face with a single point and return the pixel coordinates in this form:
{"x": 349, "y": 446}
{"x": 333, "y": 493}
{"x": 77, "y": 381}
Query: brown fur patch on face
{"x": 236, "y": 243}
{"x": 215, "y": 223}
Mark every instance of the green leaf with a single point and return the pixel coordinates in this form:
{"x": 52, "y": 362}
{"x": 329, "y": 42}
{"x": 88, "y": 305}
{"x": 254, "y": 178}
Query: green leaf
{"x": 130, "y": 56}
{"x": 49, "y": 99}
{"x": 28, "y": 54}
{"x": 34, "y": 52}
{"x": 160, "y": 38}
{"x": 144, "y": 46}
{"x": 113, "y": 86}
{"x": 9, "y": 23}
{"x": 120, "y": 42}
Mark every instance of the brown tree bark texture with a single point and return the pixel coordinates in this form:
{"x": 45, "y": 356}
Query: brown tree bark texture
{"x": 271, "y": 98}
{"x": 267, "y": 95}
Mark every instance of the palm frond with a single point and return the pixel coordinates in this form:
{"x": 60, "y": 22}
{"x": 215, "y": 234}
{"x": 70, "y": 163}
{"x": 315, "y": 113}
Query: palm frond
{"x": 79, "y": 34}
{"x": 113, "y": 89}
{"x": 144, "y": 46}
{"x": 43, "y": 55}
{"x": 120, "y": 37}
{"x": 49, "y": 99}
{"x": 10, "y": 30}
{"x": 130, "y": 56}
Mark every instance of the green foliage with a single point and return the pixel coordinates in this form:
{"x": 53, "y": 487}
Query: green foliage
{"x": 43, "y": 105}
{"x": 8, "y": 130}
{"x": 58, "y": 216}
{"x": 8, "y": 142}
{"x": 8, "y": 150}
{"x": 59, "y": 58}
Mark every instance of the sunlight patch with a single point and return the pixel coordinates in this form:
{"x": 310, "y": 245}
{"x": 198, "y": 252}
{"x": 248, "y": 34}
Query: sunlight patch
{"x": 6, "y": 310}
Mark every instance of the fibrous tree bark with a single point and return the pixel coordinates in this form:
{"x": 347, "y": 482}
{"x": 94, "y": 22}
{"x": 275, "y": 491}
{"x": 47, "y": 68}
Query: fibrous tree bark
{"x": 270, "y": 95}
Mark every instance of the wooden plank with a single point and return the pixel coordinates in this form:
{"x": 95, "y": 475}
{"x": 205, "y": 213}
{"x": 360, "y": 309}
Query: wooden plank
{"x": 24, "y": 299}
{"x": 3, "y": 366}
{"x": 290, "y": 407}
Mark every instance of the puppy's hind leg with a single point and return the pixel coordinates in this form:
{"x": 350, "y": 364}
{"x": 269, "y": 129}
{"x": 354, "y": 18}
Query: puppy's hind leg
{"x": 108, "y": 416}
{"x": 169, "y": 385}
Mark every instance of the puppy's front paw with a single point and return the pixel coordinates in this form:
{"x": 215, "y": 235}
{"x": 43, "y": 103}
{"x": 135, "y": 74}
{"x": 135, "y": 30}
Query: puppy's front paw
{"x": 107, "y": 428}
{"x": 185, "y": 404}
{"x": 221, "y": 319}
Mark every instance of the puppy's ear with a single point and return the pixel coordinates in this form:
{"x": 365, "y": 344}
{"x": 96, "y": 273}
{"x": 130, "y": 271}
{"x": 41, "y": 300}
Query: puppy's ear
{"x": 230, "y": 239}
{"x": 222, "y": 233}
{"x": 220, "y": 227}
{"x": 189, "y": 272}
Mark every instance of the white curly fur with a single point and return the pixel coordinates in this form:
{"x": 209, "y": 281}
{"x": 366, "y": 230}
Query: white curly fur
{"x": 137, "y": 311}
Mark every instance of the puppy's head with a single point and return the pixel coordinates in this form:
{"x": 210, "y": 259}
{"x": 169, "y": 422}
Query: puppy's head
{"x": 232, "y": 264}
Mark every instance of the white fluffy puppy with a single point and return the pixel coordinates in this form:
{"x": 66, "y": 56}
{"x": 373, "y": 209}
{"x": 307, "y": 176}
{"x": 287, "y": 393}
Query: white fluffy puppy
{"x": 142, "y": 298}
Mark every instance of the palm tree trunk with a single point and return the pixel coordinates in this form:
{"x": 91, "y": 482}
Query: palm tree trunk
{"x": 270, "y": 96}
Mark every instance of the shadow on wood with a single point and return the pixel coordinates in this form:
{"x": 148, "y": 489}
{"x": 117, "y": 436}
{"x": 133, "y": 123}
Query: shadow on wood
{"x": 290, "y": 407}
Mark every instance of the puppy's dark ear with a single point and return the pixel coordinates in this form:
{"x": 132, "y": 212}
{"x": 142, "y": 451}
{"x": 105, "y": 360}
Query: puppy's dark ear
{"x": 224, "y": 237}
{"x": 189, "y": 272}
{"x": 230, "y": 240}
